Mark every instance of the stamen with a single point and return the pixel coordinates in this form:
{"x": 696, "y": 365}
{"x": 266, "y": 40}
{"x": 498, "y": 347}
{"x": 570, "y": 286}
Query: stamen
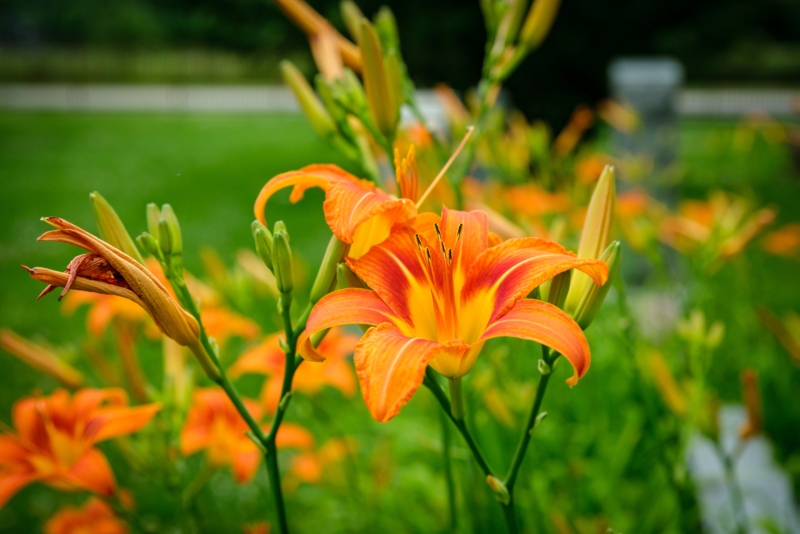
{"x": 419, "y": 242}
{"x": 444, "y": 249}
{"x": 438, "y": 231}
{"x": 457, "y": 151}
{"x": 428, "y": 254}
{"x": 458, "y": 232}
{"x": 450, "y": 256}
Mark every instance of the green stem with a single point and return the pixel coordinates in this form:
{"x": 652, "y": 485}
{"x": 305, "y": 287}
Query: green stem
{"x": 456, "y": 399}
{"x": 527, "y": 430}
{"x": 510, "y": 515}
{"x": 431, "y": 383}
{"x": 448, "y": 474}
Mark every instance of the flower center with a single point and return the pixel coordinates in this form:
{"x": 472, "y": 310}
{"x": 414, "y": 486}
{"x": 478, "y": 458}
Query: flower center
{"x": 438, "y": 269}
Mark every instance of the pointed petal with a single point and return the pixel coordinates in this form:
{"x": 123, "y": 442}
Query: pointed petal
{"x": 87, "y": 400}
{"x": 11, "y": 483}
{"x": 508, "y": 272}
{"x": 394, "y": 271}
{"x": 92, "y": 472}
{"x": 472, "y": 242}
{"x": 11, "y": 451}
{"x": 115, "y": 422}
{"x": 391, "y": 367}
{"x": 548, "y": 325}
{"x": 346, "y": 306}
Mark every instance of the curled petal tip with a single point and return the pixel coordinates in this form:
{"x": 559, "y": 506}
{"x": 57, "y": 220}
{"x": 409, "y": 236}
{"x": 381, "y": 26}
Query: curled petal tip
{"x": 29, "y": 269}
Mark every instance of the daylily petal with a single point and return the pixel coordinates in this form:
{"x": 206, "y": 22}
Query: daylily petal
{"x": 266, "y": 358}
{"x": 88, "y": 400}
{"x": 346, "y": 306}
{"x": 391, "y": 367}
{"x": 471, "y": 243}
{"x": 294, "y": 437}
{"x": 394, "y": 271}
{"x": 115, "y": 422}
{"x": 11, "y": 483}
{"x": 11, "y": 451}
{"x": 92, "y": 472}
{"x": 349, "y": 202}
{"x": 508, "y": 272}
{"x": 546, "y": 324}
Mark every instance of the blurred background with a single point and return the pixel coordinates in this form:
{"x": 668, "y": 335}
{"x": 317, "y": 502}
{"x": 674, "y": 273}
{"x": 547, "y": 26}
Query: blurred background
{"x": 181, "y": 101}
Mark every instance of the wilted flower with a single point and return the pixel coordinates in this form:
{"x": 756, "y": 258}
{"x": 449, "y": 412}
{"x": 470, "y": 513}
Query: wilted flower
{"x": 110, "y": 271}
{"x": 437, "y": 295}
{"x": 56, "y": 436}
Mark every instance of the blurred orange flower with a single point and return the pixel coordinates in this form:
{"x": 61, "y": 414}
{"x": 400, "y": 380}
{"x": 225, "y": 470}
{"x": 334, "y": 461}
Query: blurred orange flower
{"x": 94, "y": 517}
{"x": 103, "y": 309}
{"x": 214, "y": 425}
{"x": 55, "y": 440}
{"x": 310, "y": 466}
{"x": 221, "y": 323}
{"x": 267, "y": 358}
{"x": 784, "y": 241}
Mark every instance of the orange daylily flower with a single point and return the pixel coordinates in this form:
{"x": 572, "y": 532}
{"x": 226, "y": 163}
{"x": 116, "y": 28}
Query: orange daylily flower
{"x": 267, "y": 358}
{"x": 214, "y": 424}
{"x": 222, "y": 324}
{"x": 56, "y": 436}
{"x": 95, "y": 516}
{"x": 785, "y": 241}
{"x": 437, "y": 295}
{"x": 357, "y": 211}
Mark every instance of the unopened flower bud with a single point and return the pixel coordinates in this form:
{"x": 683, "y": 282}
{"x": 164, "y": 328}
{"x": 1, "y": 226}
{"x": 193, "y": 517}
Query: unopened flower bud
{"x": 149, "y": 245}
{"x": 312, "y": 107}
{"x": 596, "y": 234}
{"x": 352, "y": 15}
{"x": 263, "y": 240}
{"x": 346, "y": 278}
{"x": 153, "y": 216}
{"x": 164, "y": 238}
{"x": 326, "y": 276}
{"x": 111, "y": 228}
{"x": 386, "y": 26}
{"x": 381, "y": 96}
{"x": 168, "y": 214}
{"x": 538, "y": 23}
{"x": 499, "y": 489}
{"x": 282, "y": 261}
{"x": 559, "y": 287}
{"x": 594, "y": 295}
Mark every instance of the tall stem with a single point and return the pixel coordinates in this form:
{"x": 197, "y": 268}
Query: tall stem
{"x": 448, "y": 473}
{"x": 527, "y": 430}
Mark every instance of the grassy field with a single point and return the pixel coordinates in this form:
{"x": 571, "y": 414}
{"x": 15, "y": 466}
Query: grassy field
{"x": 210, "y": 169}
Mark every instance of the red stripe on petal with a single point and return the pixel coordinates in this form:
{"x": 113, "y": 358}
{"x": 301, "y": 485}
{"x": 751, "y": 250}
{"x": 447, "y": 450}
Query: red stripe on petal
{"x": 508, "y": 272}
{"x": 546, "y": 324}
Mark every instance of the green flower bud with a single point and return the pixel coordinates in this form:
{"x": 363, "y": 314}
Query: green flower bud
{"x": 263, "y": 240}
{"x": 346, "y": 278}
{"x": 352, "y": 15}
{"x": 149, "y": 245}
{"x": 282, "y": 261}
{"x": 381, "y": 96}
{"x": 164, "y": 238}
{"x": 326, "y": 276}
{"x": 594, "y": 295}
{"x": 312, "y": 108}
{"x": 153, "y": 216}
{"x": 559, "y": 287}
{"x": 386, "y": 26}
{"x": 111, "y": 228}
{"x": 174, "y": 229}
{"x": 538, "y": 23}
